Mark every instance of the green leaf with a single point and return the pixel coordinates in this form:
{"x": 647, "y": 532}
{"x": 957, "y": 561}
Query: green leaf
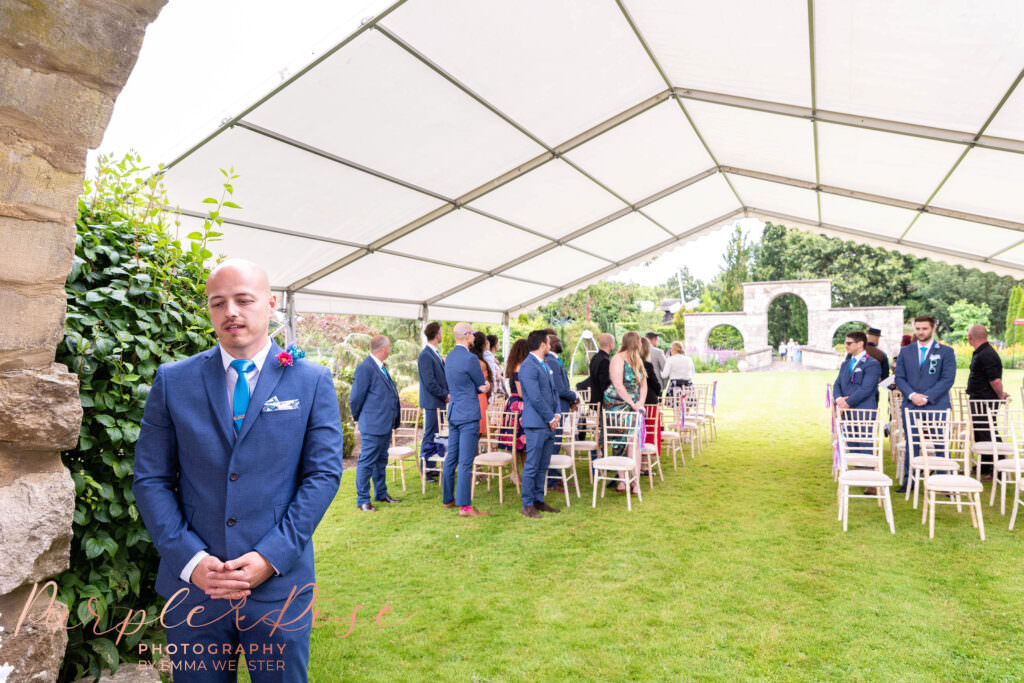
{"x": 93, "y": 548}
{"x": 107, "y": 651}
{"x": 209, "y": 200}
{"x": 105, "y": 420}
{"x": 231, "y": 205}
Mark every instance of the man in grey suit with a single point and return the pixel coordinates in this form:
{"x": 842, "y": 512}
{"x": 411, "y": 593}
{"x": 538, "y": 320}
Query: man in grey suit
{"x": 657, "y": 355}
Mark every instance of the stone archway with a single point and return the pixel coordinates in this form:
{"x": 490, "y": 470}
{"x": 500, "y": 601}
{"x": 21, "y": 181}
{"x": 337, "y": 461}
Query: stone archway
{"x": 822, "y": 321}
{"x": 62, "y": 64}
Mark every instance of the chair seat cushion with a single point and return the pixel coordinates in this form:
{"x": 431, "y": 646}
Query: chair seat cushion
{"x": 990, "y": 447}
{"x": 956, "y": 483}
{"x": 494, "y": 458}
{"x": 613, "y": 462}
{"x": 865, "y": 478}
{"x": 560, "y": 461}
{"x": 400, "y": 452}
{"x": 1008, "y": 465}
{"x": 934, "y": 462}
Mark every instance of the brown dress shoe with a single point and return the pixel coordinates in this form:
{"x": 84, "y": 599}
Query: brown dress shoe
{"x": 530, "y": 511}
{"x": 473, "y": 512}
{"x": 450, "y": 505}
{"x": 544, "y": 507}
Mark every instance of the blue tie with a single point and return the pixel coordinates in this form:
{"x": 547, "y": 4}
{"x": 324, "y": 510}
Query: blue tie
{"x": 384, "y": 367}
{"x": 924, "y": 352}
{"x": 853, "y": 362}
{"x": 240, "y": 401}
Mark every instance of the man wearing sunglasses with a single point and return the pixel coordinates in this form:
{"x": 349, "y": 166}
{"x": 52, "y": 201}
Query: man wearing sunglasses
{"x": 857, "y": 383}
{"x": 465, "y": 380}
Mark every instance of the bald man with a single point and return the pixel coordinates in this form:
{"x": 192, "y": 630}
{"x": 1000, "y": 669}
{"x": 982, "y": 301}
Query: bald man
{"x": 600, "y": 379}
{"x": 465, "y": 380}
{"x": 985, "y": 381}
{"x": 238, "y": 458}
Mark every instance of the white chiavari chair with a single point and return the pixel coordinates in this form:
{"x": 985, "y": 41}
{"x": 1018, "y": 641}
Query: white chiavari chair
{"x": 671, "y": 436}
{"x": 405, "y": 441}
{"x": 498, "y": 459}
{"x": 707, "y": 410}
{"x": 564, "y": 459}
{"x": 649, "y": 456}
{"x": 933, "y": 431}
{"x": 621, "y": 433}
{"x": 435, "y": 463}
{"x": 984, "y": 448}
{"x": 1007, "y": 427}
{"x": 860, "y": 437}
{"x": 588, "y": 428}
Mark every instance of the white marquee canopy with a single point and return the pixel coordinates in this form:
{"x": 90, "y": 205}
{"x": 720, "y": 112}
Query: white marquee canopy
{"x": 468, "y": 159}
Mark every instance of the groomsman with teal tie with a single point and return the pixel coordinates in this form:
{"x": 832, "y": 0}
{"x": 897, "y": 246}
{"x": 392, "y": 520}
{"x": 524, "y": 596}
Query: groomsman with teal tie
{"x": 857, "y": 383}
{"x": 375, "y": 406}
{"x": 925, "y": 373}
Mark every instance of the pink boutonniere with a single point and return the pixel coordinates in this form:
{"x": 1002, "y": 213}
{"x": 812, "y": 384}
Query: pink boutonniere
{"x": 285, "y": 359}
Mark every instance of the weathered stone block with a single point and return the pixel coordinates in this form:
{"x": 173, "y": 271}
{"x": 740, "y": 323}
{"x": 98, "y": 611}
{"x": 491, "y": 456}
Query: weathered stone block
{"x": 63, "y": 107}
{"x": 30, "y": 180}
{"x": 33, "y": 325}
{"x": 35, "y": 529}
{"x": 36, "y": 652}
{"x": 16, "y": 463}
{"x": 127, "y": 673}
{"x": 39, "y": 409}
{"x": 36, "y": 253}
{"x": 96, "y": 42}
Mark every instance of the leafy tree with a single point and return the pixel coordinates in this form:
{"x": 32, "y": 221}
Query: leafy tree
{"x": 787, "y": 318}
{"x": 725, "y": 337}
{"x": 964, "y": 315}
{"x": 1016, "y": 295}
{"x": 691, "y": 286}
{"x": 737, "y": 268}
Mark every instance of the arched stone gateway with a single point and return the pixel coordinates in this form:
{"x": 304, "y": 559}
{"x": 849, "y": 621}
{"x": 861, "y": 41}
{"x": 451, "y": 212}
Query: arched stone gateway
{"x": 822, "y": 322}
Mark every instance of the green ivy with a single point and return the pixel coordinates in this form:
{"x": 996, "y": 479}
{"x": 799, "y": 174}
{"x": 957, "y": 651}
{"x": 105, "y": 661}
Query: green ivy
{"x": 135, "y": 300}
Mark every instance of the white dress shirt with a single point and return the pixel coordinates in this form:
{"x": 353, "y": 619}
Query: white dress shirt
{"x": 231, "y": 378}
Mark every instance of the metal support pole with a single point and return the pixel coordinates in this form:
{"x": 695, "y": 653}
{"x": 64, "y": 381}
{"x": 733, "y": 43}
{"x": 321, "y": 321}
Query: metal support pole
{"x": 423, "y": 320}
{"x": 506, "y": 334}
{"x": 289, "y": 323}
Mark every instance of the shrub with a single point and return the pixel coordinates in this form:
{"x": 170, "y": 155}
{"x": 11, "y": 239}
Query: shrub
{"x": 135, "y": 300}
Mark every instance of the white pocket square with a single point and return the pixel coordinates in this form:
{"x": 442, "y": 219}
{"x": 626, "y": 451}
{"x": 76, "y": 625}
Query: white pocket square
{"x": 273, "y": 405}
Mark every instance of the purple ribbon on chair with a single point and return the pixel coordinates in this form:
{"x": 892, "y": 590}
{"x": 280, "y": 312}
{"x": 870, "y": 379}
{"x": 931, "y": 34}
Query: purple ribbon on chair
{"x": 714, "y": 393}
{"x": 642, "y": 427}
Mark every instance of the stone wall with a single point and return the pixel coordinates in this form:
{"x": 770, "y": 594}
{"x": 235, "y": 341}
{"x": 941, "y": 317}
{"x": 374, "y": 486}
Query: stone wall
{"x": 62, "y": 64}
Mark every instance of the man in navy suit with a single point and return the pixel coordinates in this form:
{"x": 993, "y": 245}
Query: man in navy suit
{"x": 566, "y": 396}
{"x": 465, "y": 381}
{"x": 374, "y": 404}
{"x": 238, "y": 458}
{"x": 859, "y": 375}
{"x": 540, "y": 420}
{"x": 925, "y": 373}
{"x": 433, "y": 392}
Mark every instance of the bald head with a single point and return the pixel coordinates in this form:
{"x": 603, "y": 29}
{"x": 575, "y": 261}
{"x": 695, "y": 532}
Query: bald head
{"x": 606, "y": 342}
{"x": 463, "y": 334}
{"x": 977, "y": 335}
{"x": 380, "y": 346}
{"x": 240, "y": 304}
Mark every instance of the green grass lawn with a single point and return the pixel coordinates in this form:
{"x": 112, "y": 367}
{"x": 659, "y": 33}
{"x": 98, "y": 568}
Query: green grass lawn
{"x": 734, "y": 568}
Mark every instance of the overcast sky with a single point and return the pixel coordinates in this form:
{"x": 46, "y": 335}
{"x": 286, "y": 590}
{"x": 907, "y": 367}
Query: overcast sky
{"x": 204, "y": 61}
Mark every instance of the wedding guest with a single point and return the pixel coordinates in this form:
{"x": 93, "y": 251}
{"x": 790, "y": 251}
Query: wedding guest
{"x": 567, "y": 398}
{"x": 433, "y": 393}
{"x": 783, "y": 348}
{"x": 540, "y": 420}
{"x": 494, "y": 365}
{"x": 237, "y": 460}
{"x": 600, "y": 380}
{"x": 871, "y": 348}
{"x": 628, "y": 387}
{"x": 653, "y": 385}
{"x": 478, "y": 348}
{"x": 679, "y": 369}
{"x": 514, "y": 403}
{"x": 925, "y": 373}
{"x": 657, "y": 359}
{"x": 905, "y": 340}
{"x": 985, "y": 381}
{"x": 857, "y": 383}
{"x": 466, "y": 381}
{"x": 375, "y": 406}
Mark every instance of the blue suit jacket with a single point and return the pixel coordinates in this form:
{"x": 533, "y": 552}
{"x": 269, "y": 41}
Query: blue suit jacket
{"x": 463, "y": 374}
{"x": 374, "y": 400}
{"x": 934, "y": 379}
{"x": 566, "y": 396}
{"x": 271, "y": 484}
{"x": 540, "y": 400}
{"x": 433, "y": 385}
{"x": 861, "y": 386}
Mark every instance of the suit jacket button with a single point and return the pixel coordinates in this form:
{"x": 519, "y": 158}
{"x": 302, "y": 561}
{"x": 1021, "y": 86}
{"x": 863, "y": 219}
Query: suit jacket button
{"x": 231, "y": 521}
{"x": 234, "y": 476}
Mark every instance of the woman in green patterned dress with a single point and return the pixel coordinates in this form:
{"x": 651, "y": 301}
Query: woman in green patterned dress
{"x": 628, "y": 387}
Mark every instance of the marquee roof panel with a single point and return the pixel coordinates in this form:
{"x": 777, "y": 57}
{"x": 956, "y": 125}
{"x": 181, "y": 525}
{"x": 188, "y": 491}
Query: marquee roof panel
{"x": 473, "y": 160}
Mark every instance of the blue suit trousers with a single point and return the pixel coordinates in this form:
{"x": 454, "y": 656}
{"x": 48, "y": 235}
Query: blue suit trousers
{"x": 281, "y": 657}
{"x": 373, "y": 462}
{"x": 540, "y": 444}
{"x": 462, "y": 444}
{"x": 427, "y": 445}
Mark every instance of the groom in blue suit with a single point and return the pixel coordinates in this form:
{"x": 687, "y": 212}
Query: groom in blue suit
{"x": 540, "y": 420}
{"x": 375, "y": 405}
{"x": 857, "y": 384}
{"x": 238, "y": 458}
{"x": 433, "y": 391}
{"x": 925, "y": 373}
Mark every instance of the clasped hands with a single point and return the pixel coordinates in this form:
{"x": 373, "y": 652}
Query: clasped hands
{"x": 234, "y": 579}
{"x": 553, "y": 425}
{"x": 918, "y": 399}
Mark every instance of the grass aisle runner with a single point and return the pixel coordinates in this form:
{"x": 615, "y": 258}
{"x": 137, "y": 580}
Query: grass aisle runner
{"x": 734, "y": 568}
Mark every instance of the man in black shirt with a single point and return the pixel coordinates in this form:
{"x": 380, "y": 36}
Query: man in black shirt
{"x": 872, "y": 350}
{"x": 600, "y": 377}
{"x": 986, "y": 378}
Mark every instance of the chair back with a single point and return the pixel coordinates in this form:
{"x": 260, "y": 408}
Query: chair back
{"x": 503, "y": 433}
{"x": 932, "y": 431}
{"x": 958, "y": 402}
{"x": 620, "y": 428}
{"x": 442, "y": 421}
{"x": 860, "y": 438}
{"x": 566, "y": 437}
{"x": 652, "y": 419}
{"x": 978, "y": 414}
{"x": 408, "y": 426}
{"x": 1008, "y": 425}
{"x": 584, "y": 395}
